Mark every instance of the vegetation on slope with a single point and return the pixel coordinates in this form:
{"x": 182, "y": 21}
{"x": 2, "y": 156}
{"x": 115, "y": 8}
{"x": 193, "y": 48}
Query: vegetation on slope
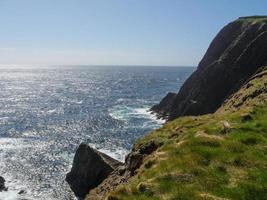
{"x": 255, "y": 19}
{"x": 216, "y": 156}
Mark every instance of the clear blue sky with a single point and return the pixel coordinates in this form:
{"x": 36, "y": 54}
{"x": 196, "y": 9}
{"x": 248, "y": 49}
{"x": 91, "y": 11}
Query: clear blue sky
{"x": 110, "y": 32}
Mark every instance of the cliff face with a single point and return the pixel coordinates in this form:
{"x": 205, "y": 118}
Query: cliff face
{"x": 236, "y": 53}
{"x": 219, "y": 156}
{"x": 214, "y": 156}
{"x": 90, "y": 167}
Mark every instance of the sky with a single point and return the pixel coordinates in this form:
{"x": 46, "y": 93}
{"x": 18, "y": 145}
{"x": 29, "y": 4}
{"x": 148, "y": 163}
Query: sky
{"x": 114, "y": 32}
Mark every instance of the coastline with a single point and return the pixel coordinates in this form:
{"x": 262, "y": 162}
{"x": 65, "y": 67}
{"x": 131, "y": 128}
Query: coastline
{"x": 205, "y": 118}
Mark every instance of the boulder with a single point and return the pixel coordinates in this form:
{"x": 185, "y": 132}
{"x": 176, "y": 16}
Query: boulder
{"x": 90, "y": 167}
{"x": 2, "y": 184}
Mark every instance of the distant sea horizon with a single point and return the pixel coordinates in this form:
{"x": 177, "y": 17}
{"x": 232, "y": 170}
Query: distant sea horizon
{"x": 87, "y": 65}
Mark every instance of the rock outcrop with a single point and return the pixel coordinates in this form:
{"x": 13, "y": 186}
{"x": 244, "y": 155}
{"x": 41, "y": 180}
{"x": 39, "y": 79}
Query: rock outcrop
{"x": 164, "y": 107}
{"x": 90, "y": 167}
{"x": 235, "y": 54}
{"x": 123, "y": 173}
{"x": 233, "y": 62}
{"x": 2, "y": 184}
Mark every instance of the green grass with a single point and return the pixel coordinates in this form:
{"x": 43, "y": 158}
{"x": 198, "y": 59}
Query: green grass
{"x": 253, "y": 19}
{"x": 198, "y": 161}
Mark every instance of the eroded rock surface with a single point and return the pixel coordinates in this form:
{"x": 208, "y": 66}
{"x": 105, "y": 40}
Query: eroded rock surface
{"x": 90, "y": 167}
{"x": 2, "y": 184}
{"x": 123, "y": 173}
{"x": 235, "y": 54}
{"x": 164, "y": 107}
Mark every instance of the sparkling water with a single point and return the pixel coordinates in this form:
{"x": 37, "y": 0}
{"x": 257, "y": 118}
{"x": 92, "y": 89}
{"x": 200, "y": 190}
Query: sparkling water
{"x": 46, "y": 112}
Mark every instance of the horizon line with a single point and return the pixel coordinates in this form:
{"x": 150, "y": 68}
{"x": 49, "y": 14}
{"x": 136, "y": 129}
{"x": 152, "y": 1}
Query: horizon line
{"x": 90, "y": 65}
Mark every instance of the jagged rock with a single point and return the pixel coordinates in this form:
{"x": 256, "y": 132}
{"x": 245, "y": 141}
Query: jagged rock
{"x": 2, "y": 184}
{"x": 163, "y": 108}
{"x": 22, "y": 192}
{"x": 121, "y": 170}
{"x": 90, "y": 167}
{"x": 144, "y": 188}
{"x": 148, "y": 147}
{"x": 235, "y": 54}
{"x": 110, "y": 197}
{"x": 123, "y": 173}
{"x": 246, "y": 117}
{"x": 133, "y": 161}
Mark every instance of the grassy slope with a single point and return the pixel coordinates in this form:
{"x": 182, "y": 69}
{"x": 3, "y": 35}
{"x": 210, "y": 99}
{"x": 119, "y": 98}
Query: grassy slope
{"x": 216, "y": 156}
{"x": 253, "y": 19}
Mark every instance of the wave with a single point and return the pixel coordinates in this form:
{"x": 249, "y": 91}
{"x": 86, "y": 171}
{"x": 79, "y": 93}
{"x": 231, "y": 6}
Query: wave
{"x": 118, "y": 153}
{"x": 9, "y": 145}
{"x": 126, "y": 113}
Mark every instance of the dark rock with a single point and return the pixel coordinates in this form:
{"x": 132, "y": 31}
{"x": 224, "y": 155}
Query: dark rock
{"x": 144, "y": 188}
{"x": 124, "y": 172}
{"x": 121, "y": 170}
{"x": 2, "y": 184}
{"x": 235, "y": 54}
{"x": 90, "y": 167}
{"x": 133, "y": 161}
{"x": 148, "y": 148}
{"x": 246, "y": 117}
{"x": 110, "y": 197}
{"x": 22, "y": 192}
{"x": 163, "y": 108}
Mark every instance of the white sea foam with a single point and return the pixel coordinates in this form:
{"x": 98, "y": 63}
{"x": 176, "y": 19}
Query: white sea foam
{"x": 79, "y": 102}
{"x": 13, "y": 143}
{"x": 14, "y": 185}
{"x": 51, "y": 111}
{"x": 145, "y": 112}
{"x": 12, "y": 195}
{"x": 15, "y": 182}
{"x": 118, "y": 153}
{"x": 125, "y": 113}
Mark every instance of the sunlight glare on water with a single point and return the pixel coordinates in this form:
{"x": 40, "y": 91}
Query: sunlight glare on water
{"x": 45, "y": 113}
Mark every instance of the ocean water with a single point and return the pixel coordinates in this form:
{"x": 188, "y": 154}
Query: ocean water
{"x": 46, "y": 112}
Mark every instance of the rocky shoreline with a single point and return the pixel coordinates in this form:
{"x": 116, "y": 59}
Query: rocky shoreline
{"x": 92, "y": 169}
{"x": 236, "y": 54}
{"x": 2, "y": 184}
{"x": 4, "y": 188}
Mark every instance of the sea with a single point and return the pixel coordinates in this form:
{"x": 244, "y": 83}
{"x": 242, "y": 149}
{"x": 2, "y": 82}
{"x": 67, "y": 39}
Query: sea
{"x": 47, "y": 111}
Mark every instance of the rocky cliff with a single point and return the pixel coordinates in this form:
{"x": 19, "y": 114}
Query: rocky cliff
{"x": 234, "y": 55}
{"x": 214, "y": 156}
{"x": 219, "y": 156}
{"x": 90, "y": 167}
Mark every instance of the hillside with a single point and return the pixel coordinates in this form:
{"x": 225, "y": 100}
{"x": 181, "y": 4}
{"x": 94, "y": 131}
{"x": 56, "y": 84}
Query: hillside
{"x": 214, "y": 146}
{"x": 216, "y": 156}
